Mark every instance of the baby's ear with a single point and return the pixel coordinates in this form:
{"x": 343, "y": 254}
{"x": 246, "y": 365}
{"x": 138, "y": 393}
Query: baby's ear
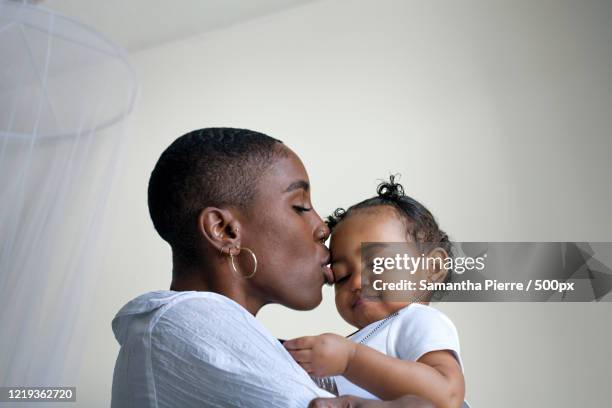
{"x": 436, "y": 260}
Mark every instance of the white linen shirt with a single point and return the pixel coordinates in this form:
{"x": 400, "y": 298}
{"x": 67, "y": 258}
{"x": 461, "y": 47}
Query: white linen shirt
{"x": 202, "y": 349}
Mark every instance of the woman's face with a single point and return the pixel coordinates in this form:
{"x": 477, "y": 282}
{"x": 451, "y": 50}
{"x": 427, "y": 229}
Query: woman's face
{"x": 288, "y": 236}
{"x": 378, "y": 224}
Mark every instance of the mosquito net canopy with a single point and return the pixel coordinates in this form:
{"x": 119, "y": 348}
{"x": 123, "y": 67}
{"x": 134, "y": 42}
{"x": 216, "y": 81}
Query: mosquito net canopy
{"x": 65, "y": 94}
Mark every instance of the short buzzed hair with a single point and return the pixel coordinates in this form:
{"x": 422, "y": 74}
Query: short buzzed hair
{"x": 206, "y": 167}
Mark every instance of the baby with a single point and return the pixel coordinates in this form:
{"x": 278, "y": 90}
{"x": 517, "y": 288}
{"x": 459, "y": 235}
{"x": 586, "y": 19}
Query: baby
{"x": 401, "y": 348}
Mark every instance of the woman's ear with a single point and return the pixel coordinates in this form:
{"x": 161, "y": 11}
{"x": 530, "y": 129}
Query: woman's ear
{"x": 219, "y": 228}
{"x": 436, "y": 271}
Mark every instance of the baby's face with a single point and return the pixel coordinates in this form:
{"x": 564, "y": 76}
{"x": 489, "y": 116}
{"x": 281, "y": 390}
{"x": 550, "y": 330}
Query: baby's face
{"x": 377, "y": 224}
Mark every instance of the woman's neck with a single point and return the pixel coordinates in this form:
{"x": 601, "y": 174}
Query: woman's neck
{"x": 211, "y": 279}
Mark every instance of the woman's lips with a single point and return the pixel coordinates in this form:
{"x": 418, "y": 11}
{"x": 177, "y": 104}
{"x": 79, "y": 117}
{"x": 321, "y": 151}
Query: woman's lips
{"x": 328, "y": 274}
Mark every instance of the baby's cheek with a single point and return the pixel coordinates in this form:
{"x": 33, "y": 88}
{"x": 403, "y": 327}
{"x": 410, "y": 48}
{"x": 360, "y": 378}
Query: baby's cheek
{"x": 342, "y": 299}
{"x": 343, "y": 305}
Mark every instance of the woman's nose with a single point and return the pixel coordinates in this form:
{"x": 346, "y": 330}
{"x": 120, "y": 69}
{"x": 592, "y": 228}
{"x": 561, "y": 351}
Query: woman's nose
{"x": 322, "y": 232}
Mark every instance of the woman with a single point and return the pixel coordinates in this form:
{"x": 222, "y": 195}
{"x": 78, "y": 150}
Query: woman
{"x": 234, "y": 206}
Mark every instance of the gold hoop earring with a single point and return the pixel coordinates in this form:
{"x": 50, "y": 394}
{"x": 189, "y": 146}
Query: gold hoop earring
{"x": 254, "y": 260}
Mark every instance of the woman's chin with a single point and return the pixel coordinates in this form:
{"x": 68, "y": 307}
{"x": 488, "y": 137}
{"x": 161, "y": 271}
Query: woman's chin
{"x": 306, "y": 303}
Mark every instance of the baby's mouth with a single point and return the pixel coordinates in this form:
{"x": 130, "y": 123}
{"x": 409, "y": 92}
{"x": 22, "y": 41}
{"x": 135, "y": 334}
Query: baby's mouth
{"x": 360, "y": 301}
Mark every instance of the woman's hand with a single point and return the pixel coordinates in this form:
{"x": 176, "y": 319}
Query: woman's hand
{"x": 349, "y": 401}
{"x": 322, "y": 356}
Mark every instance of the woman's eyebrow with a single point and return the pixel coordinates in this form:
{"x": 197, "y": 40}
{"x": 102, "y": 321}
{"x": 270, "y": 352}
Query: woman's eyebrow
{"x": 303, "y": 184}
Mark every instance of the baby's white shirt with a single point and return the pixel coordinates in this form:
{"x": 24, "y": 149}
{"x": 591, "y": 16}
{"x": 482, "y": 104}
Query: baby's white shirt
{"x": 416, "y": 330}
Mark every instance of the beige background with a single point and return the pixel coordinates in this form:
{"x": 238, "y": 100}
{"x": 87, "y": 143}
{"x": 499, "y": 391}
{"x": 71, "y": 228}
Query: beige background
{"x": 496, "y": 113}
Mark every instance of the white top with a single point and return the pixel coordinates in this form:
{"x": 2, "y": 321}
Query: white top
{"x": 202, "y": 349}
{"x": 414, "y": 332}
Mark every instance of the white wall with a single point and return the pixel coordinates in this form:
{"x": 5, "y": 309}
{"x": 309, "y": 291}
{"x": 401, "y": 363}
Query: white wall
{"x": 496, "y": 113}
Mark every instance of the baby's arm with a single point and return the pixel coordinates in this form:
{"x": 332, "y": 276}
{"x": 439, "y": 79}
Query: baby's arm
{"x": 436, "y": 376}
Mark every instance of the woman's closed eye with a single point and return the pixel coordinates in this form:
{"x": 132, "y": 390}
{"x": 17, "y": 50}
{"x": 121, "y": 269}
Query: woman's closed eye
{"x": 301, "y": 209}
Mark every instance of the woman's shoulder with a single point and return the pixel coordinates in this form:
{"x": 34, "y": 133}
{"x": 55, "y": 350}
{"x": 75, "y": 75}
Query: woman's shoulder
{"x": 207, "y": 323}
{"x": 207, "y": 307}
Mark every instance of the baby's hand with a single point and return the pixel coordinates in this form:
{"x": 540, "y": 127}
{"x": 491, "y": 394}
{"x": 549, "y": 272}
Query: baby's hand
{"x": 321, "y": 356}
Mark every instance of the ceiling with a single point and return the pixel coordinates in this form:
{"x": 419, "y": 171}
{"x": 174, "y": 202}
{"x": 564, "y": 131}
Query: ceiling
{"x": 138, "y": 24}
